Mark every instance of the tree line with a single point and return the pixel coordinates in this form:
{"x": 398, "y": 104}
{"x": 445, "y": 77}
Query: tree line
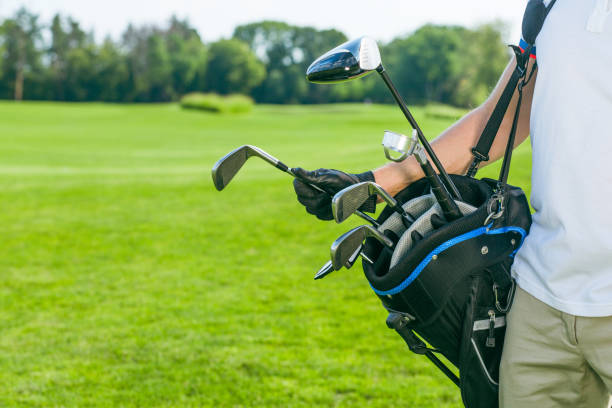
{"x": 267, "y": 60}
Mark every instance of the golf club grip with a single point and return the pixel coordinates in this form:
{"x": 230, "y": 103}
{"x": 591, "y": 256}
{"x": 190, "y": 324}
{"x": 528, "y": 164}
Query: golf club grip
{"x": 282, "y": 166}
{"x": 450, "y": 209}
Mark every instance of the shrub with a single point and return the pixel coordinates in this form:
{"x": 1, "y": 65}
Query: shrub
{"x": 217, "y": 103}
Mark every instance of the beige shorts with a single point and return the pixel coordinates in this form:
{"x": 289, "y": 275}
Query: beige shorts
{"x": 553, "y": 359}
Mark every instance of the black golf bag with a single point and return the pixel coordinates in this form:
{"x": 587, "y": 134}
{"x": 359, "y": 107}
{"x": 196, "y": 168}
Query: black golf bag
{"x": 450, "y": 282}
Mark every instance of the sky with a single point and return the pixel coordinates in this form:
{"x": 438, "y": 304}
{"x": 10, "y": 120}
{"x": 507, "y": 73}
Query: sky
{"x": 383, "y": 20}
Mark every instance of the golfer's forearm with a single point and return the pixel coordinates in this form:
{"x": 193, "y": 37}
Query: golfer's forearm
{"x": 453, "y": 146}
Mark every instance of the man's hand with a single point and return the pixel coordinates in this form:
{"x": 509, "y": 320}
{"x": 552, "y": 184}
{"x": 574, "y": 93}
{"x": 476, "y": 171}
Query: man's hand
{"x": 330, "y": 181}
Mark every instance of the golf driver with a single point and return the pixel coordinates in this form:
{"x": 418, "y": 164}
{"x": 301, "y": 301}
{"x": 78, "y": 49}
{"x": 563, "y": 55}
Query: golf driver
{"x": 347, "y": 201}
{"x": 346, "y": 246}
{"x": 226, "y": 168}
{"x": 357, "y": 58}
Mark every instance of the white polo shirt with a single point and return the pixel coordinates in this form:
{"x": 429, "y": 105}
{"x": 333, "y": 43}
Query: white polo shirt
{"x": 566, "y": 260}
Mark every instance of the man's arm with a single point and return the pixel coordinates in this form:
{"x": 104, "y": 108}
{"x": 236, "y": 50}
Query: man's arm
{"x": 453, "y": 146}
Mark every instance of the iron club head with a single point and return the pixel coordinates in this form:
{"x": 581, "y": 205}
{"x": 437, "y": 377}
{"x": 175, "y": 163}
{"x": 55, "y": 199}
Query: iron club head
{"x": 344, "y": 249}
{"x": 226, "y": 167}
{"x": 347, "y": 201}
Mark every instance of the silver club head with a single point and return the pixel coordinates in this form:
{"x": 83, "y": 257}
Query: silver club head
{"x": 348, "y": 200}
{"x": 344, "y": 250}
{"x": 226, "y": 168}
{"x": 350, "y": 60}
{"x": 396, "y": 142}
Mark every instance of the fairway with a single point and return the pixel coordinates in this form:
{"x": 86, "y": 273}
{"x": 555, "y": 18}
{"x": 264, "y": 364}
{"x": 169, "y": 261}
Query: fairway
{"x": 127, "y": 280}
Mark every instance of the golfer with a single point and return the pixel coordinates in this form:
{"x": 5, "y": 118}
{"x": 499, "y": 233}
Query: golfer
{"x": 558, "y": 346}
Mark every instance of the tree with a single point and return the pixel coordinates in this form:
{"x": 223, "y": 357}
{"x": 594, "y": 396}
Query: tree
{"x": 163, "y": 63}
{"x": 287, "y": 51}
{"x": 448, "y": 64}
{"x": 188, "y": 56}
{"x": 72, "y": 67}
{"x": 111, "y": 73}
{"x": 233, "y": 68}
{"x": 482, "y": 64}
{"x": 21, "y": 56}
{"x": 267, "y": 59}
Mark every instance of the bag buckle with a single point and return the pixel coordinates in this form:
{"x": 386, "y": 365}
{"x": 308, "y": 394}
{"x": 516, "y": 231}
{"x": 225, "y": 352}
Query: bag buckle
{"x": 495, "y": 207}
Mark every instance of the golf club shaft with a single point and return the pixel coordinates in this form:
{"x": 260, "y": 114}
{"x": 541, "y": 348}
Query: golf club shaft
{"x": 447, "y": 181}
{"x": 391, "y": 202}
{"x": 450, "y": 209}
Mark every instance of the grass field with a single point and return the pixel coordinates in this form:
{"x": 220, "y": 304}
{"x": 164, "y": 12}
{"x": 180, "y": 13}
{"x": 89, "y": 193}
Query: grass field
{"x": 127, "y": 280}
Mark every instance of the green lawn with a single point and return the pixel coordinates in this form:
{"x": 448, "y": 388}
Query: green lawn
{"x": 126, "y": 279}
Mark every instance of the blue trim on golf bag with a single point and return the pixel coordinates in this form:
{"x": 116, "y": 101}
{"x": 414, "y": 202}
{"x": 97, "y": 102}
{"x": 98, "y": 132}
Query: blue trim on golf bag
{"x": 446, "y": 245}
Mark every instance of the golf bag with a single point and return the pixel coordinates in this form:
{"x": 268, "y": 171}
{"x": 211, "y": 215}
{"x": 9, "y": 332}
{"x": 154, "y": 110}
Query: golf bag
{"x": 450, "y": 282}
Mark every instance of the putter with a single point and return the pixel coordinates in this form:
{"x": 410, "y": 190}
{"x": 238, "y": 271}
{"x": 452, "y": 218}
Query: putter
{"x": 347, "y": 201}
{"x": 226, "y": 168}
{"x": 357, "y": 58}
{"x": 410, "y": 146}
{"x": 346, "y": 246}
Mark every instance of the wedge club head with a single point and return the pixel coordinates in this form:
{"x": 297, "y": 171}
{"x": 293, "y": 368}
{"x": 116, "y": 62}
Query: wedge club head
{"x": 226, "y": 168}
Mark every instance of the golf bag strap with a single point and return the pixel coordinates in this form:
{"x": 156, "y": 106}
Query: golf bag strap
{"x": 481, "y": 150}
{"x": 505, "y": 170}
{"x": 533, "y": 20}
{"x": 399, "y": 323}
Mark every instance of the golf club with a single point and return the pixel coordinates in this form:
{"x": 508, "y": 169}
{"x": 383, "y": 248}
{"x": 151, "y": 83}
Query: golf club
{"x": 226, "y": 168}
{"x": 347, "y": 201}
{"x": 329, "y": 267}
{"x": 398, "y": 143}
{"x": 410, "y": 146}
{"x": 357, "y": 58}
{"x": 344, "y": 248}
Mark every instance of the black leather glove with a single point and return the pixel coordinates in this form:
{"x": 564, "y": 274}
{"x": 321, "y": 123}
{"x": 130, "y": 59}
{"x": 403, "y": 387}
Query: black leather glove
{"x": 330, "y": 181}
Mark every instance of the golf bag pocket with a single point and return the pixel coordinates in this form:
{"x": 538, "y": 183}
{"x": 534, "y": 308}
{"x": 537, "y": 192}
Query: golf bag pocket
{"x": 484, "y": 328}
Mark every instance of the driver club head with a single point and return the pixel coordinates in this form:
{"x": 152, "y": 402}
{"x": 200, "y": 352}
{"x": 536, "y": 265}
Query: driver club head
{"x": 348, "y": 200}
{"x": 226, "y": 167}
{"x": 345, "y": 249}
{"x": 350, "y": 60}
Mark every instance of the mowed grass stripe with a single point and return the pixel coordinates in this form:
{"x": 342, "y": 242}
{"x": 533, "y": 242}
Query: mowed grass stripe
{"x": 127, "y": 280}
